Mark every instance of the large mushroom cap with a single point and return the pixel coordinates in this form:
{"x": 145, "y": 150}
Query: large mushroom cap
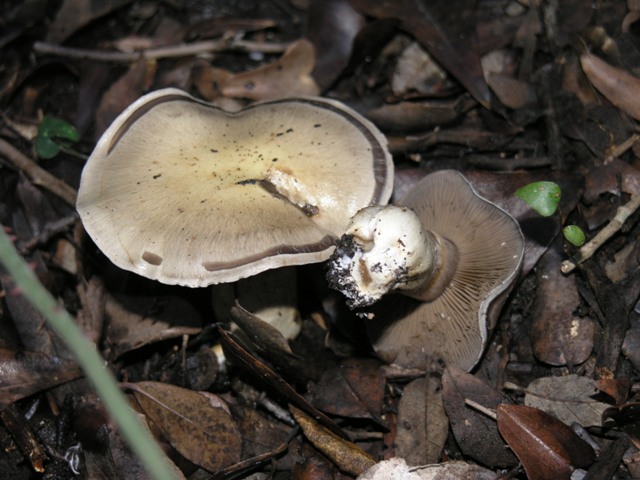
{"x": 455, "y": 326}
{"x": 180, "y": 191}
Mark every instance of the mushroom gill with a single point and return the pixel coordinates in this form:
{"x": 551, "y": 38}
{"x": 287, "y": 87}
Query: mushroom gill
{"x": 474, "y": 274}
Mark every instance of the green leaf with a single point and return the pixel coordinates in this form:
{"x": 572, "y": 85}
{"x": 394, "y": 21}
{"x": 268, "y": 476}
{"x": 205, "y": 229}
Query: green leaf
{"x": 46, "y": 148}
{"x": 574, "y": 235}
{"x": 543, "y": 197}
{"x": 54, "y": 134}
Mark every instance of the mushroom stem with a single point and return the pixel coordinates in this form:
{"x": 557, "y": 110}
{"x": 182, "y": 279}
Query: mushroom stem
{"x": 386, "y": 248}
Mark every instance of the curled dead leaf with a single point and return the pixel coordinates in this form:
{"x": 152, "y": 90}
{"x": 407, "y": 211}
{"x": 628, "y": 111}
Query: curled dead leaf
{"x": 25, "y": 373}
{"x": 617, "y": 85}
{"x": 512, "y": 92}
{"x": 346, "y": 455}
{"x": 290, "y": 76}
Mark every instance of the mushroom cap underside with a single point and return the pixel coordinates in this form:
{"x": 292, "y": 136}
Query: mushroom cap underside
{"x": 183, "y": 192}
{"x": 455, "y": 326}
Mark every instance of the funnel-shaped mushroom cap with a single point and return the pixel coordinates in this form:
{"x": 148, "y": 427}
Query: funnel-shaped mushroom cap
{"x": 455, "y": 326}
{"x": 180, "y": 191}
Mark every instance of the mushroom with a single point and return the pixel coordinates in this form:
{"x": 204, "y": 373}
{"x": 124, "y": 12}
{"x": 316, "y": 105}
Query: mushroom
{"x": 183, "y": 192}
{"x": 455, "y": 254}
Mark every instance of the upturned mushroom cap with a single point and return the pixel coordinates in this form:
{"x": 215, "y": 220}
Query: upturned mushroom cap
{"x": 183, "y": 192}
{"x": 454, "y": 326}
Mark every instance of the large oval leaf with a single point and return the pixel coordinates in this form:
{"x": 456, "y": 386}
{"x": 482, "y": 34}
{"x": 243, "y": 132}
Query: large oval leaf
{"x": 547, "y": 447}
{"x": 202, "y": 432}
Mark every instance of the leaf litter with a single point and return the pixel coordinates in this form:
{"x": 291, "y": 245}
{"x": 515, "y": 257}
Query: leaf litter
{"x": 509, "y": 93}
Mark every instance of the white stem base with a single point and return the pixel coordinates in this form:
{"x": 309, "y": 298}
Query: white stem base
{"x": 384, "y": 248}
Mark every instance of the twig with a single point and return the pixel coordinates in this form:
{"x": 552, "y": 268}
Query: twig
{"x": 25, "y": 438}
{"x": 617, "y": 150}
{"x": 49, "y": 230}
{"x": 481, "y": 408}
{"x": 37, "y": 174}
{"x": 589, "y": 248}
{"x": 244, "y": 466}
{"x": 87, "y": 356}
{"x": 173, "y": 51}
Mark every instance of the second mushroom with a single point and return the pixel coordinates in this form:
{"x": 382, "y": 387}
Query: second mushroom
{"x": 454, "y": 255}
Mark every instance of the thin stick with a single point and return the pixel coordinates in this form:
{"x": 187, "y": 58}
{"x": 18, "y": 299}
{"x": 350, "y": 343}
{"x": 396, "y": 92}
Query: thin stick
{"x": 38, "y": 175}
{"x": 173, "y": 51}
{"x": 481, "y": 408}
{"x": 50, "y": 229}
{"x": 618, "y": 150}
{"x": 589, "y": 248}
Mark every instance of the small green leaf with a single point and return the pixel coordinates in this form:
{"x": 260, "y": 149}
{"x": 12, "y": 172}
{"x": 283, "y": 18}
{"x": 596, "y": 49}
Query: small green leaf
{"x": 53, "y": 135}
{"x": 46, "y": 148}
{"x": 543, "y": 197}
{"x": 574, "y": 235}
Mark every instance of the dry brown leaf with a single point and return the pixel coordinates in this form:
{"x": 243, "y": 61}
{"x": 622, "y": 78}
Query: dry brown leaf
{"x": 476, "y": 434}
{"x": 355, "y": 389}
{"x": 416, "y": 72}
{"x": 574, "y": 81}
{"x": 75, "y": 14}
{"x": 24, "y": 373}
{"x": 422, "y": 426}
{"x": 204, "y": 434}
{"x": 409, "y": 117}
{"x": 120, "y": 462}
{"x": 617, "y": 388}
{"x": 123, "y": 92}
{"x": 261, "y": 433}
{"x": 315, "y": 467}
{"x": 290, "y": 76}
{"x": 134, "y": 322}
{"x": 332, "y": 26}
{"x": 617, "y": 85}
{"x": 65, "y": 256}
{"x": 610, "y": 178}
{"x": 261, "y": 333}
{"x": 207, "y": 80}
{"x": 559, "y": 336}
{"x": 500, "y": 71}
{"x": 347, "y": 456}
{"x": 546, "y": 447}
{"x": 181, "y": 75}
{"x": 567, "y": 398}
{"x": 512, "y": 92}
{"x": 31, "y": 324}
{"x": 93, "y": 297}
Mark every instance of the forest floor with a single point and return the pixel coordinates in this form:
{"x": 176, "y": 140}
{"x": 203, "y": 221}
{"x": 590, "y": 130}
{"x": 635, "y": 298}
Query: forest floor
{"x": 506, "y": 92}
